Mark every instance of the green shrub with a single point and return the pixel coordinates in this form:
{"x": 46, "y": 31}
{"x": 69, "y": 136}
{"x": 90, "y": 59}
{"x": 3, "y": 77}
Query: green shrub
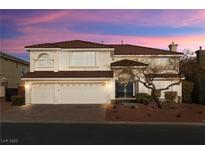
{"x": 187, "y": 89}
{"x": 143, "y": 98}
{"x": 170, "y": 96}
{"x": 18, "y": 100}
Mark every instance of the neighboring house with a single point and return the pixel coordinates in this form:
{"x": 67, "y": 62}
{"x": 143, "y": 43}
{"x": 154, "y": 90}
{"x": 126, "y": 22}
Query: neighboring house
{"x": 11, "y": 71}
{"x": 80, "y": 72}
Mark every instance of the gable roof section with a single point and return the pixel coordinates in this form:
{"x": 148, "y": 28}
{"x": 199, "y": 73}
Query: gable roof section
{"x": 70, "y": 44}
{"x": 10, "y": 57}
{"x": 69, "y": 74}
{"x": 126, "y": 62}
{"x": 127, "y": 49}
{"x": 119, "y": 49}
{"x": 44, "y": 45}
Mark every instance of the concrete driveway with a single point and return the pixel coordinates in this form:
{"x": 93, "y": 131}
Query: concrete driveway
{"x": 52, "y": 113}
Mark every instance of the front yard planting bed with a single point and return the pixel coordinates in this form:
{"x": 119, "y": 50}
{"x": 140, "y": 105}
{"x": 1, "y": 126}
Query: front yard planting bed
{"x": 169, "y": 113}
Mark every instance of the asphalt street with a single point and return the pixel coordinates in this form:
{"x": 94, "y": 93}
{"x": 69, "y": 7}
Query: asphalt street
{"x": 105, "y": 134}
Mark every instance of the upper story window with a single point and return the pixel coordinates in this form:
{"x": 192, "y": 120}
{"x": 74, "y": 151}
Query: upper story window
{"x": 44, "y": 61}
{"x": 82, "y": 59}
{"x": 161, "y": 62}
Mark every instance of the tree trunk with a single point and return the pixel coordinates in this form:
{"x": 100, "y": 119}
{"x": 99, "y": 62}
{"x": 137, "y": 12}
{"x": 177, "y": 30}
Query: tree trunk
{"x": 155, "y": 96}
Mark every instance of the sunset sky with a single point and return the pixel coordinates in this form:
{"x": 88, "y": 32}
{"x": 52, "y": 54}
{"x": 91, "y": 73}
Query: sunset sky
{"x": 152, "y": 28}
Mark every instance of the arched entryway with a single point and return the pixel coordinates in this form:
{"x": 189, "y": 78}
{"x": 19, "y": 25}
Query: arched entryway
{"x": 127, "y": 91}
{"x": 125, "y": 85}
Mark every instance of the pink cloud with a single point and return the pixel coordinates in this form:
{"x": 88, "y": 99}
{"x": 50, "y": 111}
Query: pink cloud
{"x": 37, "y": 35}
{"x": 36, "y": 19}
{"x": 133, "y": 17}
{"x": 34, "y": 34}
{"x": 195, "y": 18}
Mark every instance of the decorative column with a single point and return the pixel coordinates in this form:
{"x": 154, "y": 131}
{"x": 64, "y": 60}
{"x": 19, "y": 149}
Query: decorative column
{"x": 56, "y": 61}
{"x": 27, "y": 92}
{"x": 112, "y": 88}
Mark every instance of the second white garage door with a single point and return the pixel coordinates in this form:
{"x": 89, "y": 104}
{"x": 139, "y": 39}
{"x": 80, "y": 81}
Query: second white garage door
{"x": 83, "y": 93}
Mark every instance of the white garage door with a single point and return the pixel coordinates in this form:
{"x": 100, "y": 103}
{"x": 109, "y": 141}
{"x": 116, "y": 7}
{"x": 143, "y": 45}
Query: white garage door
{"x": 42, "y": 93}
{"x": 82, "y": 93}
{"x": 69, "y": 93}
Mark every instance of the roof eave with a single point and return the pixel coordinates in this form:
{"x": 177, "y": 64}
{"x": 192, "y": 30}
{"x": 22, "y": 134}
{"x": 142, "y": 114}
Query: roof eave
{"x": 36, "y": 49}
{"x": 160, "y": 55}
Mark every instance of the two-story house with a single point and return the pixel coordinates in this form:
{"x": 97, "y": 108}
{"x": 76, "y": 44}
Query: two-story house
{"x": 81, "y": 72}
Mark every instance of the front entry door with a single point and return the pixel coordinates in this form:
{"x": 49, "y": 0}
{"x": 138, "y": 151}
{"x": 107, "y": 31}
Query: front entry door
{"x": 124, "y": 92}
{"x": 129, "y": 90}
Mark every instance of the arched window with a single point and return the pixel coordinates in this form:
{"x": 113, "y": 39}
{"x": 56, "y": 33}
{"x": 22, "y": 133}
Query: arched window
{"x": 44, "y": 60}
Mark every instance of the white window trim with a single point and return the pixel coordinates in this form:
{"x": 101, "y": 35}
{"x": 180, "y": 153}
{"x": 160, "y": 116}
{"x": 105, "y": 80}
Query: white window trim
{"x": 44, "y": 67}
{"x": 83, "y": 66}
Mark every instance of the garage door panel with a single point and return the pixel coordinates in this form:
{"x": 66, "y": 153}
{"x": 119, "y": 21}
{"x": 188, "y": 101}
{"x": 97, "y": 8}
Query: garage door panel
{"x": 68, "y": 93}
{"x": 42, "y": 94}
{"x": 83, "y": 94}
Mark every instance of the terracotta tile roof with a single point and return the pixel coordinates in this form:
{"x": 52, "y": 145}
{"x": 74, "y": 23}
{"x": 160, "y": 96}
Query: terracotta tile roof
{"x": 44, "y": 45}
{"x": 126, "y": 62}
{"x": 167, "y": 75}
{"x": 69, "y": 74}
{"x": 70, "y": 44}
{"x": 126, "y": 49}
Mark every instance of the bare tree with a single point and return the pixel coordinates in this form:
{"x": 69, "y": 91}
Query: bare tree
{"x": 189, "y": 66}
{"x": 188, "y": 54}
{"x": 147, "y": 76}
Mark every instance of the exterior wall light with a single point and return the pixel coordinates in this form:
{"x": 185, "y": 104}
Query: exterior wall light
{"x": 108, "y": 85}
{"x": 26, "y": 86}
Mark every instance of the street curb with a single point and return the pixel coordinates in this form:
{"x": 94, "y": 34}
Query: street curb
{"x": 110, "y": 122}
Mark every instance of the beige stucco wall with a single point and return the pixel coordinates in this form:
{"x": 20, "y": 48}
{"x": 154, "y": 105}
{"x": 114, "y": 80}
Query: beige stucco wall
{"x": 12, "y": 71}
{"x": 103, "y": 60}
{"x": 61, "y": 60}
{"x": 162, "y": 61}
{"x": 34, "y": 55}
{"x": 163, "y": 84}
